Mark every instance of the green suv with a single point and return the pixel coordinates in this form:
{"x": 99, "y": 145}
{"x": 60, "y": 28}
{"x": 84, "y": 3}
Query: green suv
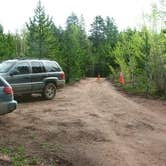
{"x": 33, "y": 76}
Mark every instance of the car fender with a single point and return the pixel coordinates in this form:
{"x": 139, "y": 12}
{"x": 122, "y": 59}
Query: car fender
{"x": 51, "y": 79}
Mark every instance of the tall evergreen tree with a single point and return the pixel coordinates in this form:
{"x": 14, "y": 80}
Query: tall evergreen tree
{"x": 112, "y": 34}
{"x": 1, "y": 42}
{"x": 97, "y": 32}
{"x": 74, "y": 48}
{"x": 72, "y": 20}
{"x": 1, "y": 29}
{"x": 85, "y": 53}
{"x": 7, "y": 45}
{"x": 71, "y": 49}
{"x": 41, "y": 38}
{"x": 98, "y": 38}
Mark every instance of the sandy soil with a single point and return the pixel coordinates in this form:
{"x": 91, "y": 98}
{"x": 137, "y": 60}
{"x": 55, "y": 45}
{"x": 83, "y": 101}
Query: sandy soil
{"x": 89, "y": 124}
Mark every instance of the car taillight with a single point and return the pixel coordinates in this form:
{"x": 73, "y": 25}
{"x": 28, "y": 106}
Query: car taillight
{"x": 8, "y": 90}
{"x": 62, "y": 76}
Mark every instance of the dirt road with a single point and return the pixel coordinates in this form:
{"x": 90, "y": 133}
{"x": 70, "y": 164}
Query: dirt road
{"x": 89, "y": 124}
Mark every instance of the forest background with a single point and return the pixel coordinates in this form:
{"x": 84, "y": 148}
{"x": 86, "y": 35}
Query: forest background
{"x": 139, "y": 53}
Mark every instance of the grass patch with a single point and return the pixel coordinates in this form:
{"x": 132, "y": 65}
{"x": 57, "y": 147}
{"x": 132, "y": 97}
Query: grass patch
{"x": 139, "y": 90}
{"x": 18, "y": 157}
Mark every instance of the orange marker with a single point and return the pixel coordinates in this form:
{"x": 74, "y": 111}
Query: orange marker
{"x": 98, "y": 77}
{"x": 121, "y": 78}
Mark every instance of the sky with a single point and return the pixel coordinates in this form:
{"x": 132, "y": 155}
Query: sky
{"x": 127, "y": 13}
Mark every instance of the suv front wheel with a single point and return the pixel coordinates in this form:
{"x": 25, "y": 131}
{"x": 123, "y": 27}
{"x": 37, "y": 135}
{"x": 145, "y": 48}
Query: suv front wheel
{"x": 49, "y": 91}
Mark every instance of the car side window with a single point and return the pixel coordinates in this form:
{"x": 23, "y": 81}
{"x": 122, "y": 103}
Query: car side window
{"x": 22, "y": 68}
{"x": 52, "y": 67}
{"x": 37, "y": 67}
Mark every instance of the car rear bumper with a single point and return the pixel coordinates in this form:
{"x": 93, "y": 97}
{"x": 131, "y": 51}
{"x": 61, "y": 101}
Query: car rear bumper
{"x": 60, "y": 83}
{"x": 7, "y": 107}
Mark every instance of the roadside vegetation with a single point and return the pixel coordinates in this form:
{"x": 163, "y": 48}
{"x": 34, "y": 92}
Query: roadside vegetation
{"x": 140, "y": 54}
{"x": 16, "y": 157}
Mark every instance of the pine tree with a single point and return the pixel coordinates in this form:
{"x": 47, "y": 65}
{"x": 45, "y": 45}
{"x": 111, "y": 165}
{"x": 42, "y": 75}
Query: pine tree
{"x": 98, "y": 38}
{"x": 71, "y": 49}
{"x": 7, "y": 45}
{"x": 41, "y": 38}
{"x": 112, "y": 34}
{"x": 74, "y": 48}
{"x": 97, "y": 32}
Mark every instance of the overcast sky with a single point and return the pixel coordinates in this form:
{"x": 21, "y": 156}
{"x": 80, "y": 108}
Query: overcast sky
{"x": 127, "y": 13}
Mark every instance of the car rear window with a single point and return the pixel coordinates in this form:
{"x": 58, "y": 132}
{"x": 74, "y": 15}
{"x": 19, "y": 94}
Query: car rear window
{"x": 52, "y": 67}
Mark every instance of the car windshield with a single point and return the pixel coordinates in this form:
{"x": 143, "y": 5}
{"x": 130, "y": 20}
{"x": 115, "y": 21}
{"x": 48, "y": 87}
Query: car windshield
{"x": 5, "y": 66}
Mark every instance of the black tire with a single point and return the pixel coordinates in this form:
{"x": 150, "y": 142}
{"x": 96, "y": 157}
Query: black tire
{"x": 49, "y": 91}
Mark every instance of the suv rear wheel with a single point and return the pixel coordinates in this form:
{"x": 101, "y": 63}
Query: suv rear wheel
{"x": 49, "y": 91}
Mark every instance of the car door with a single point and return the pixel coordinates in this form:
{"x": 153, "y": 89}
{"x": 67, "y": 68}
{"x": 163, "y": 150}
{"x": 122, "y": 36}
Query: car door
{"x": 20, "y": 78}
{"x": 37, "y": 76}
